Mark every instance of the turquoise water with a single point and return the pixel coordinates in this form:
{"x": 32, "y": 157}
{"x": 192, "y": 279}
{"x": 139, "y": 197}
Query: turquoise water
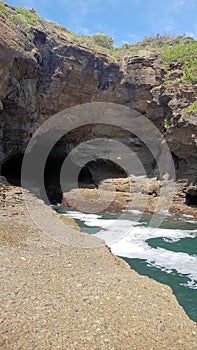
{"x": 167, "y": 254}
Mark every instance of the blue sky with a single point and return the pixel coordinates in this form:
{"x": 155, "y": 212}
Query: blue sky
{"x": 124, "y": 20}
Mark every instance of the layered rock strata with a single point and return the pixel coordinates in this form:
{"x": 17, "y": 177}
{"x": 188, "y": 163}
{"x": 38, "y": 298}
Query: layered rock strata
{"x": 45, "y": 72}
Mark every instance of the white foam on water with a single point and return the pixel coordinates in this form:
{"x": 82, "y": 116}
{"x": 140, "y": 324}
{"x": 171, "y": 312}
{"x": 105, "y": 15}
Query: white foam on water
{"x": 194, "y": 222}
{"x": 133, "y": 211}
{"x": 134, "y": 245}
{"x": 190, "y": 284}
{"x": 96, "y": 220}
{"x": 82, "y": 216}
{"x": 128, "y": 238}
{"x": 171, "y": 240}
{"x": 187, "y": 216}
{"x": 165, "y": 212}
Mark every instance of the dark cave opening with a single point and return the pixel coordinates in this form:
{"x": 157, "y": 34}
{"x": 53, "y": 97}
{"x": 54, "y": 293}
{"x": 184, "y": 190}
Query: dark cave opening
{"x": 52, "y": 179}
{"x": 91, "y": 173}
{"x": 89, "y": 176}
{"x": 85, "y": 178}
{"x": 98, "y": 170}
{"x": 11, "y": 170}
{"x": 191, "y": 198}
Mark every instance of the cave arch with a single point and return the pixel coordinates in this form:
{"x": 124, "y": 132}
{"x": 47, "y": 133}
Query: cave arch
{"x": 89, "y": 176}
{"x": 98, "y": 170}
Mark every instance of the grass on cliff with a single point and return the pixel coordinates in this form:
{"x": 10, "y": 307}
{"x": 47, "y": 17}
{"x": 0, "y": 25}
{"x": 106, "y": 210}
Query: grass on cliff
{"x": 29, "y": 16}
{"x": 192, "y": 108}
{"x": 181, "y": 49}
{"x": 98, "y": 42}
{"x": 21, "y": 17}
{"x": 26, "y": 19}
{"x": 184, "y": 53}
{"x": 4, "y": 10}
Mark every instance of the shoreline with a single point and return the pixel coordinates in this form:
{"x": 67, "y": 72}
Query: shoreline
{"x": 58, "y": 296}
{"x": 86, "y": 199}
{"x": 93, "y": 223}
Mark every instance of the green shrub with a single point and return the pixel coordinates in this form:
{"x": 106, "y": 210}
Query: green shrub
{"x": 3, "y": 9}
{"x": 166, "y": 123}
{"x": 180, "y": 49}
{"x": 102, "y": 40}
{"x": 192, "y": 107}
{"x": 186, "y": 55}
{"x": 29, "y": 16}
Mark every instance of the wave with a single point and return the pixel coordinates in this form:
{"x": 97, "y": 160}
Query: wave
{"x": 128, "y": 238}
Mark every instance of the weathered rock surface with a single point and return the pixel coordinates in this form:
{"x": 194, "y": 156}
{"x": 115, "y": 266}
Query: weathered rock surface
{"x": 77, "y": 295}
{"x": 44, "y": 75}
{"x": 133, "y": 193}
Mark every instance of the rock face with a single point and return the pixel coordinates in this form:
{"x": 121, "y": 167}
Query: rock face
{"x": 136, "y": 193}
{"x": 48, "y": 73}
{"x": 133, "y": 193}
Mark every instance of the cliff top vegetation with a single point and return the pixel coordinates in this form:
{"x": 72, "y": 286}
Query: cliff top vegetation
{"x": 181, "y": 49}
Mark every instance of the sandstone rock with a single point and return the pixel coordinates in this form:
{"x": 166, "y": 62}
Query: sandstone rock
{"x": 133, "y": 193}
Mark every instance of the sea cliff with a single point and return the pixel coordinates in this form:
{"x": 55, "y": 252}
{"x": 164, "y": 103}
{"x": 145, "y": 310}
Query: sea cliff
{"x": 45, "y": 69}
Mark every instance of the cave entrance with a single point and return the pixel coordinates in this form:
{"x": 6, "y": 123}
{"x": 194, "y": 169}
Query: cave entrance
{"x": 89, "y": 176}
{"x": 85, "y": 178}
{"x": 191, "y": 198}
{"x": 11, "y": 170}
{"x": 98, "y": 170}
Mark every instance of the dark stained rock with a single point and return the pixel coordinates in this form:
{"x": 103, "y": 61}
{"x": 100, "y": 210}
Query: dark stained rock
{"x": 45, "y": 75}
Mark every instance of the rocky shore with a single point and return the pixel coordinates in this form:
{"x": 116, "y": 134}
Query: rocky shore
{"x": 60, "y": 288}
{"x": 133, "y": 193}
{"x": 77, "y": 295}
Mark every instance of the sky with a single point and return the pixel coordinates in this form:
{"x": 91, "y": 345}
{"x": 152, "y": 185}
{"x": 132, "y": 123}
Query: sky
{"x": 126, "y": 21}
